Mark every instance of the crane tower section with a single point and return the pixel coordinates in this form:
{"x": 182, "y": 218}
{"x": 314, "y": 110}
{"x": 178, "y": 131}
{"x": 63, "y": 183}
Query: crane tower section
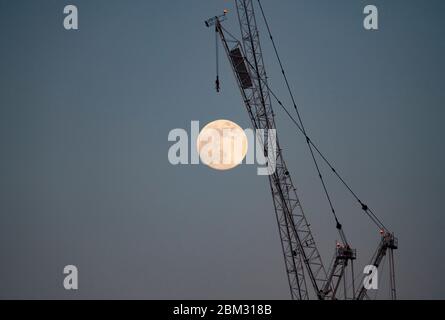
{"x": 302, "y": 258}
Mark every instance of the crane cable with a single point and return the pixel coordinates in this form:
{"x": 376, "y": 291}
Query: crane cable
{"x": 217, "y": 85}
{"x": 310, "y": 143}
{"x": 365, "y": 208}
{"x": 328, "y": 197}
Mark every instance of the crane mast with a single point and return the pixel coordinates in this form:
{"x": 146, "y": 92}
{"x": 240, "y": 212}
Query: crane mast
{"x": 301, "y": 255}
{"x": 298, "y": 245}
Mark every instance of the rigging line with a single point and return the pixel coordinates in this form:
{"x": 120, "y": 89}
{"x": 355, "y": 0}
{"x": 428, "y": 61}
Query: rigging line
{"x": 364, "y": 207}
{"x": 217, "y": 85}
{"x": 338, "y": 225}
{"x": 234, "y": 39}
{"x": 216, "y": 48}
{"x": 367, "y": 211}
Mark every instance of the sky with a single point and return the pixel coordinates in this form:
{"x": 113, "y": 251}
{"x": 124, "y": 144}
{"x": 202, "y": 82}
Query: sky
{"x": 84, "y": 121}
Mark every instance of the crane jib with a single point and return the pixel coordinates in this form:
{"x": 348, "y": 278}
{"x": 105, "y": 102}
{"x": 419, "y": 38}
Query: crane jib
{"x": 301, "y": 255}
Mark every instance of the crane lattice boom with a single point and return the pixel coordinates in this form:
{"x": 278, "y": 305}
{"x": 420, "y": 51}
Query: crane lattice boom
{"x": 301, "y": 256}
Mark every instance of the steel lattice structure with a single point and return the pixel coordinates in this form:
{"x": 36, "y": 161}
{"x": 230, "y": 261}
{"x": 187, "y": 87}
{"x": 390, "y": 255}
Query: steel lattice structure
{"x": 302, "y": 258}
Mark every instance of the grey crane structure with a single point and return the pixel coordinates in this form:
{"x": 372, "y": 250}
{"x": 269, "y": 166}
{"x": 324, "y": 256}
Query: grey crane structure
{"x": 307, "y": 276}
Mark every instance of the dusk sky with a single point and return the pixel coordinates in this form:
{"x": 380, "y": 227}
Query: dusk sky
{"x": 84, "y": 120}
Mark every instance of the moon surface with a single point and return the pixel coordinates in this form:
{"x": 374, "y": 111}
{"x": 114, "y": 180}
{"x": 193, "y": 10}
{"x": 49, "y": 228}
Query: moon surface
{"x": 222, "y": 144}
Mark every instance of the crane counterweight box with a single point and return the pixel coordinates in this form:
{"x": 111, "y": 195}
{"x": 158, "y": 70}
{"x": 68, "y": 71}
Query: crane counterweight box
{"x": 240, "y": 68}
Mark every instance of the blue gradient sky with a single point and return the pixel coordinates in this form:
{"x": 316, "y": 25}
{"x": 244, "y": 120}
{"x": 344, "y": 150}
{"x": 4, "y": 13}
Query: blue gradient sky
{"x": 84, "y": 119}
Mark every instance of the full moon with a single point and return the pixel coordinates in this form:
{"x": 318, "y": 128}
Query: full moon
{"x": 222, "y": 144}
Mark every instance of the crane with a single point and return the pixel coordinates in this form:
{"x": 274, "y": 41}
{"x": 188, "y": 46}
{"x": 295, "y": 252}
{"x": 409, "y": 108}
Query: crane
{"x": 306, "y": 273}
